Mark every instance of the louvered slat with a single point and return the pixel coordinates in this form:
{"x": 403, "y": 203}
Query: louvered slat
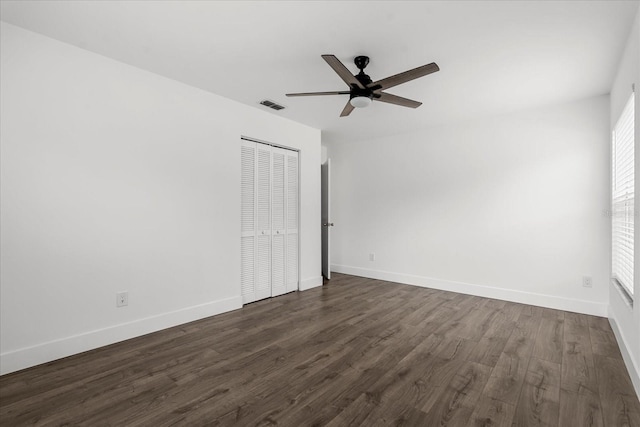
{"x": 292, "y": 192}
{"x": 247, "y": 272}
{"x": 264, "y": 189}
{"x": 292, "y": 261}
{"x": 247, "y": 191}
{"x": 278, "y": 285}
{"x": 278, "y": 192}
{"x": 263, "y": 265}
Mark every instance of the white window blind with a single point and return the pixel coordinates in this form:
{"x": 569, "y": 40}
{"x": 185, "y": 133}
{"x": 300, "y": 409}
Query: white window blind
{"x": 623, "y": 197}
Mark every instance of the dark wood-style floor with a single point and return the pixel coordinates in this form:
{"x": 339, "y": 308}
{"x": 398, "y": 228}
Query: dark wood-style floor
{"x": 354, "y": 352}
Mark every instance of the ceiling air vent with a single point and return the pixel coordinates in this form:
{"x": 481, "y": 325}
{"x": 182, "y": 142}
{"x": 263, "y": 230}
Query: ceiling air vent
{"x": 271, "y": 105}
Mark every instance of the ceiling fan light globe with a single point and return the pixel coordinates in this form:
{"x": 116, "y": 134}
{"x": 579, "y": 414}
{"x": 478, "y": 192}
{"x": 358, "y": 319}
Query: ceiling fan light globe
{"x": 360, "y": 101}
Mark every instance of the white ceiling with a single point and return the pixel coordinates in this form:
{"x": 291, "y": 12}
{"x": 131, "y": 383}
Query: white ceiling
{"x": 494, "y": 56}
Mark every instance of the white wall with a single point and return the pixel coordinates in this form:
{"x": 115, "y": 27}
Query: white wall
{"x": 625, "y": 319}
{"x": 509, "y": 207}
{"x": 117, "y": 179}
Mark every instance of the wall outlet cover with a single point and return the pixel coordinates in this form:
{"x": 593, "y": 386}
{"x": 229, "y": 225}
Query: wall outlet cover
{"x": 122, "y": 299}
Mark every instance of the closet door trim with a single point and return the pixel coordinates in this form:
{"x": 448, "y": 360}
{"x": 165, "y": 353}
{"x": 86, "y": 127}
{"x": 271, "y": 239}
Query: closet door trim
{"x": 259, "y": 141}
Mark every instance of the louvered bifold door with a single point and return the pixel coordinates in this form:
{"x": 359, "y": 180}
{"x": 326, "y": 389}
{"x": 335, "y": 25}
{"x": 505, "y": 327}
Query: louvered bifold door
{"x": 247, "y": 222}
{"x": 278, "y": 223}
{"x": 269, "y": 208}
{"x": 263, "y": 219}
{"x": 292, "y": 206}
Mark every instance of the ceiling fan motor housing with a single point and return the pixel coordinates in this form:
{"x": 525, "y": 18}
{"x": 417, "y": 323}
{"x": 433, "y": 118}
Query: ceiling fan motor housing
{"x": 356, "y": 92}
{"x": 361, "y": 62}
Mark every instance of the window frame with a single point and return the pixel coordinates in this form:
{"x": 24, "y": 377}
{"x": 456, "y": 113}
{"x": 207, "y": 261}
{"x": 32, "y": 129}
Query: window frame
{"x": 623, "y": 198}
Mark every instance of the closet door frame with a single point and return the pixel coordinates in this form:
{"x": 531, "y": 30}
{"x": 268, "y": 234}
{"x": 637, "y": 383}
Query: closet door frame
{"x": 288, "y": 286}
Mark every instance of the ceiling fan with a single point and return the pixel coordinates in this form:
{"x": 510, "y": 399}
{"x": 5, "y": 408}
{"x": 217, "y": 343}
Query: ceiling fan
{"x": 362, "y": 90}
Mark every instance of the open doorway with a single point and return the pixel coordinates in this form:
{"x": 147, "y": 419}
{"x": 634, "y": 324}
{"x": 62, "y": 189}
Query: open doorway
{"x": 326, "y": 218}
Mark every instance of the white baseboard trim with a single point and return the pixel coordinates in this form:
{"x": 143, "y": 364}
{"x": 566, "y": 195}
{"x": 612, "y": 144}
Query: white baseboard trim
{"x": 542, "y": 300}
{"x": 632, "y": 367}
{"x": 16, "y": 360}
{"x": 313, "y": 282}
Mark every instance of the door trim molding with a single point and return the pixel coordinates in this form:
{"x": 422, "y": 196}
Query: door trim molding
{"x": 311, "y": 283}
{"x": 260, "y": 141}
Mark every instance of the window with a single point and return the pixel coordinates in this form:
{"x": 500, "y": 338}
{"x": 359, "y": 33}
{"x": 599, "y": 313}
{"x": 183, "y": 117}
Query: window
{"x": 622, "y": 202}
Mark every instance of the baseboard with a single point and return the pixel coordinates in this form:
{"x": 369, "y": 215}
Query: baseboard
{"x": 542, "y": 300}
{"x": 313, "y": 282}
{"x": 46, "y": 352}
{"x": 632, "y": 366}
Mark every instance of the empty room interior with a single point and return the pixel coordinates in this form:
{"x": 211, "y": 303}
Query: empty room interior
{"x": 336, "y": 213}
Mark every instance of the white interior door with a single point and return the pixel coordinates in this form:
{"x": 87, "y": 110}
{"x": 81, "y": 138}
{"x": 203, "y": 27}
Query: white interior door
{"x": 263, "y": 216}
{"x": 269, "y": 221}
{"x": 292, "y": 179}
{"x": 278, "y": 225}
{"x": 326, "y": 218}
{"x": 248, "y": 222}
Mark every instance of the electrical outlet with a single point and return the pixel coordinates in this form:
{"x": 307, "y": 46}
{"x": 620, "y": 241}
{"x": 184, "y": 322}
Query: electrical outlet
{"x": 122, "y": 299}
{"x": 372, "y": 257}
{"x": 587, "y": 281}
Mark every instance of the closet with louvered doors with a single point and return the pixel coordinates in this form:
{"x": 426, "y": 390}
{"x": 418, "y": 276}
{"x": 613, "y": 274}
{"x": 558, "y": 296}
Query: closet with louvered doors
{"x": 269, "y": 223}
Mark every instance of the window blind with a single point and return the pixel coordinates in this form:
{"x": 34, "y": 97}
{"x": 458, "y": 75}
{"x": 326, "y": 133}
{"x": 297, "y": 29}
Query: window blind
{"x": 623, "y": 197}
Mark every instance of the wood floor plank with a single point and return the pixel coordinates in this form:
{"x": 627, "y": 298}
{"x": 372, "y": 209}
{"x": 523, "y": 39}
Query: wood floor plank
{"x": 266, "y": 400}
{"x": 620, "y": 405}
{"x": 580, "y": 408}
{"x": 410, "y": 417}
{"x": 507, "y": 378}
{"x": 532, "y": 311}
{"x": 356, "y": 351}
{"x": 300, "y": 393}
{"x": 332, "y": 401}
{"x": 488, "y": 351}
{"x": 604, "y": 343}
{"x": 509, "y": 372}
{"x": 578, "y": 370}
{"x": 539, "y": 402}
{"x": 495, "y": 304}
{"x": 576, "y": 318}
{"x": 457, "y": 401}
{"x": 597, "y": 322}
{"x": 476, "y": 323}
{"x": 490, "y": 412}
{"x": 409, "y": 371}
{"x": 550, "y": 313}
{"x": 549, "y": 340}
{"x": 503, "y": 323}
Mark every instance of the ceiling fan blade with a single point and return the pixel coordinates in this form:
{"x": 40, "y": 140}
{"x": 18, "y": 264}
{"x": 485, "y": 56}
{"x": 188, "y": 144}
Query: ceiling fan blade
{"x": 397, "y": 100}
{"x": 342, "y": 71}
{"x": 347, "y": 109}
{"x": 342, "y": 92}
{"x": 397, "y": 79}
